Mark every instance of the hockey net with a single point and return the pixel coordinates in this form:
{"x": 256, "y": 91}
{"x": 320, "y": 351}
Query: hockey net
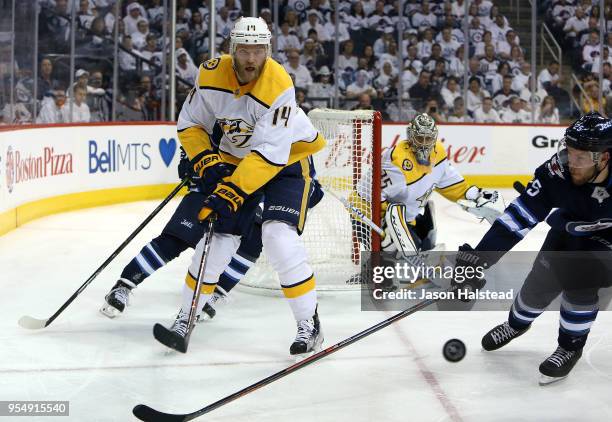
{"x": 350, "y": 163}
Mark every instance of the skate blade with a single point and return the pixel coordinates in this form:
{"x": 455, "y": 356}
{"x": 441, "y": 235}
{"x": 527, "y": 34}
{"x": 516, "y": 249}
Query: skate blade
{"x": 109, "y": 311}
{"x": 546, "y": 380}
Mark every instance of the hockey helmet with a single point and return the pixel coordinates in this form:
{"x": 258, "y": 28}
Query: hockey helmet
{"x": 422, "y": 134}
{"x": 251, "y": 31}
{"x": 591, "y": 135}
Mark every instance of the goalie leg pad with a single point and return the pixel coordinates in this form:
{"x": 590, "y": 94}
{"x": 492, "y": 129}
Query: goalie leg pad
{"x": 401, "y": 233}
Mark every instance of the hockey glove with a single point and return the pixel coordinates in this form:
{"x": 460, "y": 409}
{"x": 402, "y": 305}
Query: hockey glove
{"x": 468, "y": 274}
{"x": 483, "y": 203}
{"x": 225, "y": 201}
{"x": 184, "y": 166}
{"x": 207, "y": 169}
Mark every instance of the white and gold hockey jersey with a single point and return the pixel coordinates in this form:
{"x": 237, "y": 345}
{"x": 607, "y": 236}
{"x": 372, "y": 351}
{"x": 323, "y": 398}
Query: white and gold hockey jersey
{"x": 406, "y": 181}
{"x": 263, "y": 129}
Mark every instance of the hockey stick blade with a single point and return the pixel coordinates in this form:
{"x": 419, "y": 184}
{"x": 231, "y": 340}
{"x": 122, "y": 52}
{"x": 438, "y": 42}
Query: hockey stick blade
{"x": 145, "y": 413}
{"x": 169, "y": 338}
{"x": 31, "y": 323}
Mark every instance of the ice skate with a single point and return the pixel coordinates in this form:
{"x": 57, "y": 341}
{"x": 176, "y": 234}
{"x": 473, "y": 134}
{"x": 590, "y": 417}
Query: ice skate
{"x": 558, "y": 365}
{"x": 117, "y": 299}
{"x": 501, "y": 335}
{"x": 308, "y": 339}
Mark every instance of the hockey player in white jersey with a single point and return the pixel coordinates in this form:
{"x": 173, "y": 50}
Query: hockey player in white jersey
{"x": 411, "y": 171}
{"x": 269, "y": 140}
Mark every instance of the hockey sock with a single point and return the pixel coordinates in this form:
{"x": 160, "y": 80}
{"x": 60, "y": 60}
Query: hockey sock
{"x": 154, "y": 255}
{"x": 287, "y": 256}
{"x": 575, "y": 323}
{"x": 522, "y": 315}
{"x": 233, "y": 273}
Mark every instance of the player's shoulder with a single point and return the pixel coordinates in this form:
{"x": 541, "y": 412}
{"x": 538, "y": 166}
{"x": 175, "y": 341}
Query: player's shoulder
{"x": 438, "y": 154}
{"x": 272, "y": 83}
{"x": 552, "y": 170}
{"x": 213, "y": 73}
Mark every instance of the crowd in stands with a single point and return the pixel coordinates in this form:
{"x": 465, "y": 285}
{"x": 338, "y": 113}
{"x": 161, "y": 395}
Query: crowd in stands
{"x": 429, "y": 78}
{"x": 576, "y": 26}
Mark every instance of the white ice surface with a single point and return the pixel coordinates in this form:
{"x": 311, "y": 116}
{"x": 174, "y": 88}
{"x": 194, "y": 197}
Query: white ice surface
{"x": 104, "y": 367}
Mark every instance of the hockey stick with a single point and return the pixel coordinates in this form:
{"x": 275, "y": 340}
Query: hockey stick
{"x": 31, "y": 323}
{"x": 146, "y": 413}
{"x": 356, "y": 212}
{"x": 518, "y": 186}
{"x": 169, "y": 338}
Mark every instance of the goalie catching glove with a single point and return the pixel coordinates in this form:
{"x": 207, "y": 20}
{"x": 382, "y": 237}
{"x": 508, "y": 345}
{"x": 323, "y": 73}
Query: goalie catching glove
{"x": 207, "y": 169}
{"x": 225, "y": 201}
{"x": 483, "y": 203}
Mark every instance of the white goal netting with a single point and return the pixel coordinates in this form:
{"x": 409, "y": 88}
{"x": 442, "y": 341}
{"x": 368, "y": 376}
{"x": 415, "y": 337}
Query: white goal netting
{"x": 333, "y": 238}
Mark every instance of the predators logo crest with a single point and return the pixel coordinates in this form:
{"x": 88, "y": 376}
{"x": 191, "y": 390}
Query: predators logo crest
{"x": 237, "y": 131}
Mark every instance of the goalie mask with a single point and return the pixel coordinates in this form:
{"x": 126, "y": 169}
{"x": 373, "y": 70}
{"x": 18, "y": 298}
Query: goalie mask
{"x": 422, "y": 134}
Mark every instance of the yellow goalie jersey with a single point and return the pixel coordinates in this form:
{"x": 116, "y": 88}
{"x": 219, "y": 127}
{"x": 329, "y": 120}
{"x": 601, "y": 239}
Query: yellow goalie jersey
{"x": 406, "y": 181}
{"x": 262, "y": 128}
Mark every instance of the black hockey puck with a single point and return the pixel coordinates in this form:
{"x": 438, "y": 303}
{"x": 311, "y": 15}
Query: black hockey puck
{"x": 454, "y": 350}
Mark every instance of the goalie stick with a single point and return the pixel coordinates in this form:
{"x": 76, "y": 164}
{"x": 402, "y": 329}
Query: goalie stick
{"x": 32, "y": 323}
{"x": 168, "y": 337}
{"x": 146, "y": 413}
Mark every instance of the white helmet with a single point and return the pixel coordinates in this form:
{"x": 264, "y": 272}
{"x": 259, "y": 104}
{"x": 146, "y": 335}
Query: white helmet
{"x": 250, "y": 31}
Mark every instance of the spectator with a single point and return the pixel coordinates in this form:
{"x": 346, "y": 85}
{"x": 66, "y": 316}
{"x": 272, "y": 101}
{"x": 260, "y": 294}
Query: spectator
{"x": 424, "y": 18}
{"x": 82, "y": 80}
{"x": 185, "y": 67}
{"x": 293, "y": 22}
{"x": 433, "y": 109}
{"x": 312, "y": 55}
{"x": 286, "y": 40}
{"x": 590, "y": 50}
{"x": 500, "y": 28}
{"x": 561, "y": 12}
{"x": 358, "y": 19}
{"x": 486, "y": 113}
{"x": 313, "y": 23}
{"x": 46, "y": 81}
{"x": 300, "y": 72}
{"x": 498, "y": 79}
{"x": 489, "y": 64}
{"x": 364, "y": 102}
{"x": 322, "y": 89}
{"x": 597, "y": 61}
{"x": 521, "y": 79}
{"x": 515, "y": 113}
{"x": 381, "y": 45}
{"x": 503, "y": 96}
{"x": 591, "y": 101}
{"x": 96, "y": 98}
{"x": 139, "y": 37}
{"x": 504, "y": 47}
{"x": 360, "y": 86}
{"x": 386, "y": 80}
{"x": 574, "y": 26}
{"x": 475, "y": 94}
{"x": 80, "y": 109}
{"x": 432, "y": 60}
{"x": 300, "y": 99}
{"x": 479, "y": 48}
{"x": 18, "y": 114}
{"x": 412, "y": 62}
{"x": 378, "y": 20}
{"x": 458, "y": 114}
{"x": 448, "y": 44}
{"x": 516, "y": 59}
{"x": 330, "y": 29}
{"x": 133, "y": 17}
{"x": 390, "y": 56}
{"x": 456, "y": 67}
{"x": 425, "y": 45}
{"x": 127, "y": 55}
{"x": 51, "y": 111}
{"x": 224, "y": 24}
{"x": 548, "y": 112}
{"x": 421, "y": 91}
{"x": 156, "y": 13}
{"x": 549, "y": 77}
{"x": 450, "y": 92}
{"x": 347, "y": 58}
{"x": 475, "y": 31}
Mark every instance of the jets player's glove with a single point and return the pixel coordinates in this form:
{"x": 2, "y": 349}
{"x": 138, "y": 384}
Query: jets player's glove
{"x": 184, "y": 166}
{"x": 487, "y": 204}
{"x": 207, "y": 170}
{"x": 468, "y": 274}
{"x": 225, "y": 200}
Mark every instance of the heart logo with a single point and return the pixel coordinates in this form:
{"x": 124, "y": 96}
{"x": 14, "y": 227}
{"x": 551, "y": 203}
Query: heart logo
{"x": 167, "y": 148}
